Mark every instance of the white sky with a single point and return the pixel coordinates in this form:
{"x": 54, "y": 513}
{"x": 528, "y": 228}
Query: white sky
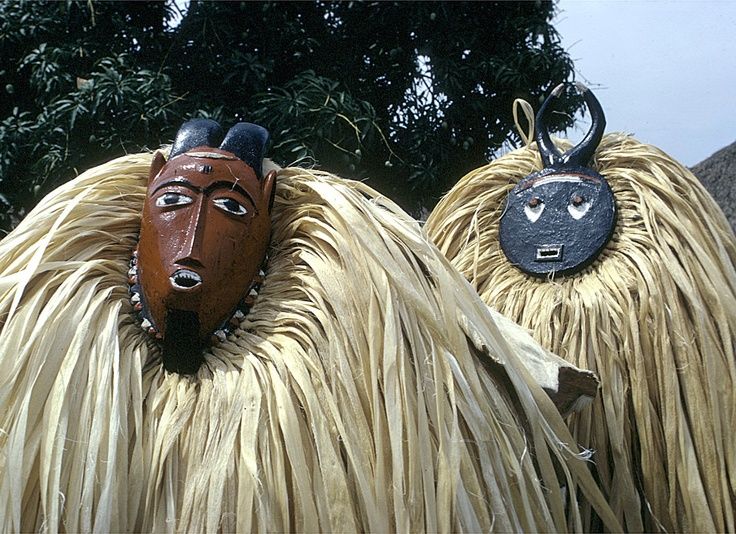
{"x": 664, "y": 71}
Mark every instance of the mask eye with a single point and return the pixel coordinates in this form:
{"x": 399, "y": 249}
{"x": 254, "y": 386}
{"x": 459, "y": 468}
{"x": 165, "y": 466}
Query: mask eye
{"x": 231, "y": 206}
{"x": 578, "y": 206}
{"x": 534, "y": 208}
{"x": 172, "y": 199}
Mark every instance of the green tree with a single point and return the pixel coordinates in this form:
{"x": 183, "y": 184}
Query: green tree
{"x": 409, "y": 96}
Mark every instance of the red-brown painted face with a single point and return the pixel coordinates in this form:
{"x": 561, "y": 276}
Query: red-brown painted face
{"x": 204, "y": 234}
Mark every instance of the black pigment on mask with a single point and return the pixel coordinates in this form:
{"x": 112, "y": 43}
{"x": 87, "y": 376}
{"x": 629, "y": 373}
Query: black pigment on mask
{"x": 182, "y": 348}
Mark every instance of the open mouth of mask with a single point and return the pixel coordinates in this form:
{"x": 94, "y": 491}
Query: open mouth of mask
{"x": 185, "y": 279}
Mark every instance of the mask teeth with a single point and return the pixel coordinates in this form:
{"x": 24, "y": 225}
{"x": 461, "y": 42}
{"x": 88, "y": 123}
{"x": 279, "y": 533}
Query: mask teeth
{"x": 238, "y": 315}
{"x": 135, "y": 299}
{"x": 146, "y": 324}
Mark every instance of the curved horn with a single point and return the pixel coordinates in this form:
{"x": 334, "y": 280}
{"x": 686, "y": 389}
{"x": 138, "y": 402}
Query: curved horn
{"x": 583, "y": 152}
{"x": 196, "y": 132}
{"x": 248, "y": 142}
{"x": 547, "y": 149}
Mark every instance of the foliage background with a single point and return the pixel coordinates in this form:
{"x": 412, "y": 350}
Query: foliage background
{"x": 407, "y": 95}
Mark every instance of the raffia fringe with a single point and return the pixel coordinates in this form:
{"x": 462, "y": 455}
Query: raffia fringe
{"x": 654, "y": 316}
{"x": 369, "y": 389}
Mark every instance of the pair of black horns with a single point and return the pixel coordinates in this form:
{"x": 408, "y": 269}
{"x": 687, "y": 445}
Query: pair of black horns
{"x": 246, "y": 140}
{"x": 581, "y": 154}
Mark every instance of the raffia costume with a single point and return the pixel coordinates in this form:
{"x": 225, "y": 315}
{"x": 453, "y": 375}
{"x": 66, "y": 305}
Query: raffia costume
{"x": 367, "y": 389}
{"x": 654, "y": 316}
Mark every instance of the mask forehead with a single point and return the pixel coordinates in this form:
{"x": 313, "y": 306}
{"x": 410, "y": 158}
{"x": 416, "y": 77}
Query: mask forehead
{"x": 554, "y": 190}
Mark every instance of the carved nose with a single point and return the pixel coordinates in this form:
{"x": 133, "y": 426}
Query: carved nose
{"x": 191, "y": 250}
{"x": 550, "y": 253}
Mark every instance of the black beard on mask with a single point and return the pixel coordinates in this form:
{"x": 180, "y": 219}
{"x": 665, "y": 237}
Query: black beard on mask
{"x": 182, "y": 349}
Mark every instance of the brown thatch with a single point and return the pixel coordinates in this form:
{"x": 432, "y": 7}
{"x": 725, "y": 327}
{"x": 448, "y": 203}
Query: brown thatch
{"x": 718, "y": 174}
{"x": 368, "y": 389}
{"x": 654, "y": 316}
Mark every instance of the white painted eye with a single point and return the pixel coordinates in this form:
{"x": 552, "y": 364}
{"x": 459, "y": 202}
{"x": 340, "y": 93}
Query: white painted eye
{"x": 231, "y": 206}
{"x": 533, "y": 209}
{"x": 173, "y": 199}
{"x": 578, "y": 207}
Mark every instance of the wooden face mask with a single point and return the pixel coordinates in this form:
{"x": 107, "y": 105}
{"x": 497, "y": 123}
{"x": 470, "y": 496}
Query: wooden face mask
{"x": 558, "y": 220}
{"x": 204, "y": 235}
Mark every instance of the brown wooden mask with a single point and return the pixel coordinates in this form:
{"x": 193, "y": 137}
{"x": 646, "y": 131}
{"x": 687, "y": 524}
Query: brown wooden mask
{"x": 204, "y": 235}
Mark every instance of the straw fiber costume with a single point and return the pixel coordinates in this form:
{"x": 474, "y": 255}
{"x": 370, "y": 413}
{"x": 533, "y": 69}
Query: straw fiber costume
{"x": 198, "y": 344}
{"x": 616, "y": 258}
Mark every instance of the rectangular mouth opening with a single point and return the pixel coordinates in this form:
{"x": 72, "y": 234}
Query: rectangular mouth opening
{"x": 550, "y": 253}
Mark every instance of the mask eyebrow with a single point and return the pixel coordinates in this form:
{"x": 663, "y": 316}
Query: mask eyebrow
{"x": 179, "y": 181}
{"x": 232, "y": 186}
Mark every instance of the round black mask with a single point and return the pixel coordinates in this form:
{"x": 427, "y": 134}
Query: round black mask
{"x": 558, "y": 220}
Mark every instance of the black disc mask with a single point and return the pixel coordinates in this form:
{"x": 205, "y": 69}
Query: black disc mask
{"x": 558, "y": 220}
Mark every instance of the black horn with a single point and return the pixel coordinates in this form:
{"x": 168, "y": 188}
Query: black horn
{"x": 248, "y": 142}
{"x": 194, "y": 133}
{"x": 583, "y": 152}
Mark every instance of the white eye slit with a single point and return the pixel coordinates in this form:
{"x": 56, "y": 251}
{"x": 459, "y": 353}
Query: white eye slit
{"x": 533, "y": 213}
{"x": 172, "y": 199}
{"x": 231, "y": 206}
{"x": 577, "y": 212}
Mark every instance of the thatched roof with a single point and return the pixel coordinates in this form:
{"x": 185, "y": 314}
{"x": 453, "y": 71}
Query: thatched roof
{"x": 718, "y": 175}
